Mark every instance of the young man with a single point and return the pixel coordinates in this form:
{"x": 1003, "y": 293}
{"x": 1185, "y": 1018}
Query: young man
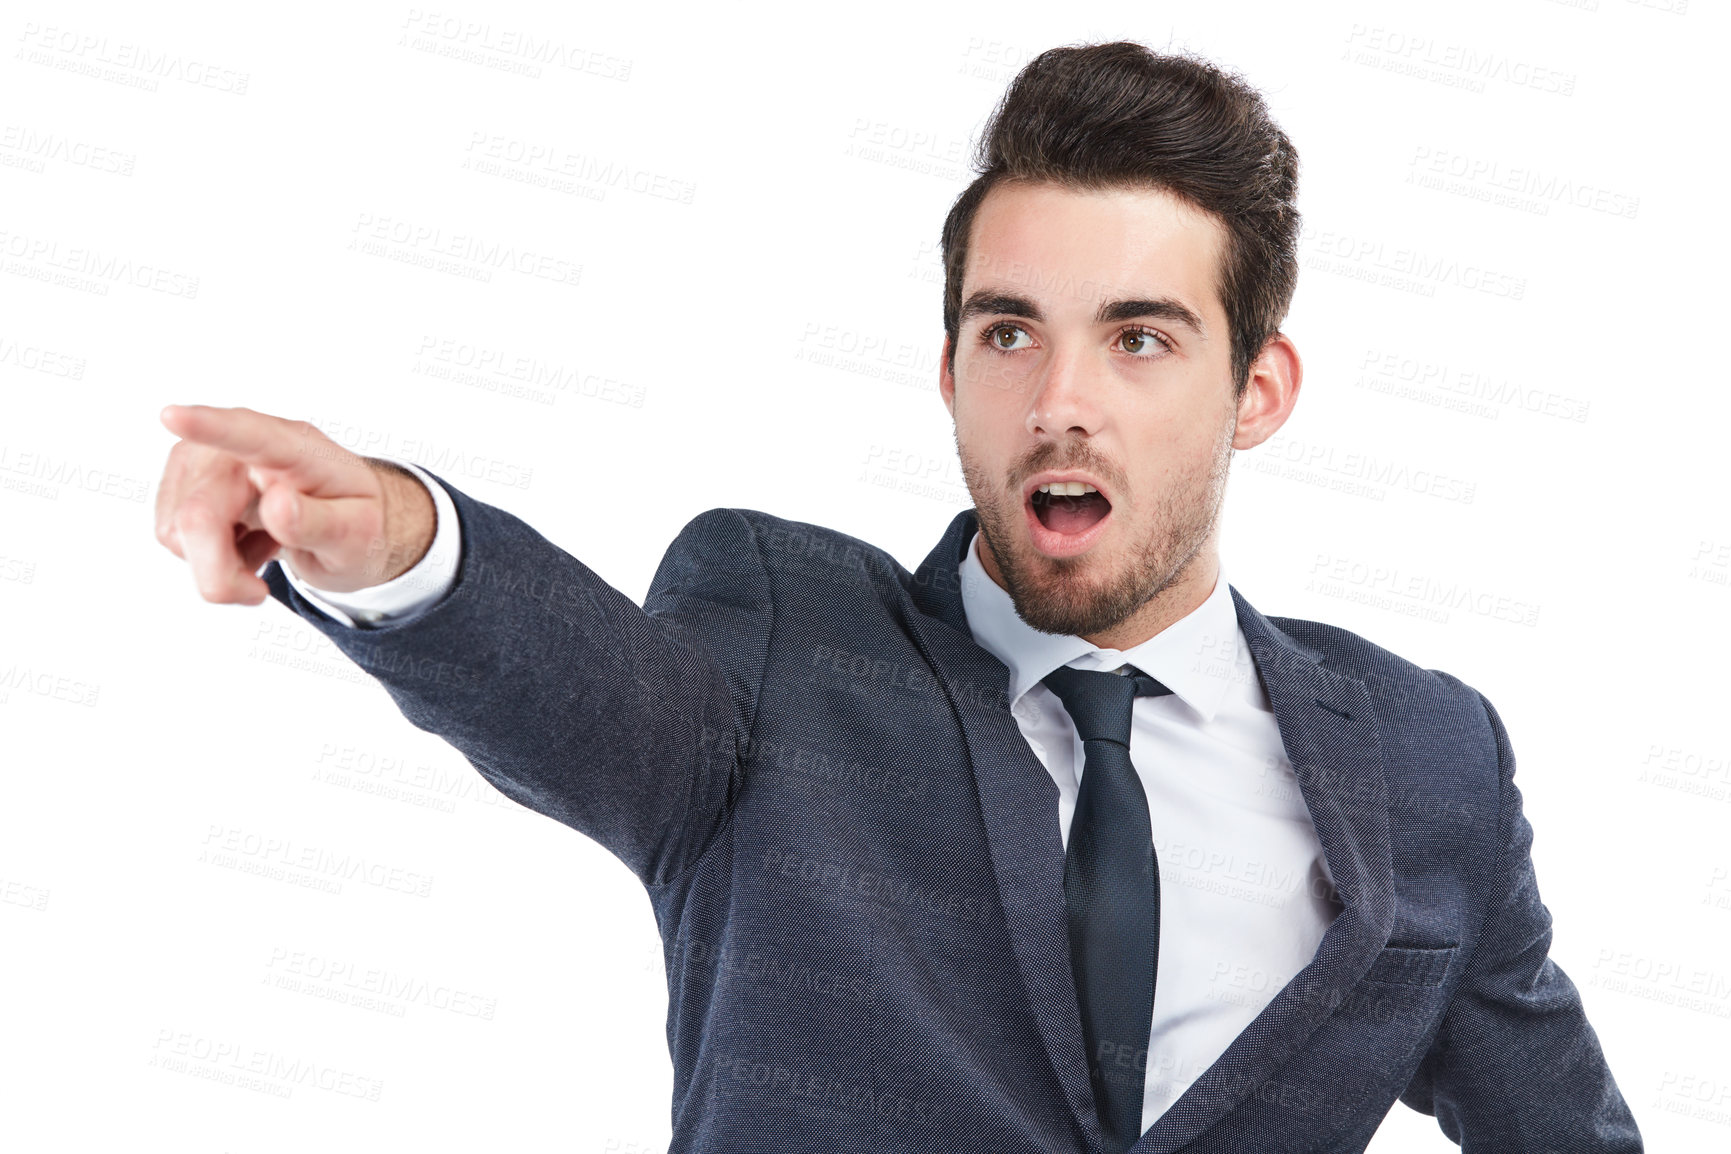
{"x": 1012, "y": 852}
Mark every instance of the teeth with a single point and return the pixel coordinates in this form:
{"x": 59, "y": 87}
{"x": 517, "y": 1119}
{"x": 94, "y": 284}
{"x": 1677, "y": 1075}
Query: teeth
{"x": 1068, "y": 488}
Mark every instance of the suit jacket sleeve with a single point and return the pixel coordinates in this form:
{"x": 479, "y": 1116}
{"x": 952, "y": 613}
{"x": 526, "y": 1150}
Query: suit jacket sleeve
{"x": 622, "y": 724}
{"x": 1515, "y": 1066}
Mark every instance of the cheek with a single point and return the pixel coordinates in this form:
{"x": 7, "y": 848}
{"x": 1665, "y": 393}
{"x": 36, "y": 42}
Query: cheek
{"x": 992, "y": 382}
{"x": 988, "y": 422}
{"x": 1186, "y": 433}
{"x": 1163, "y": 465}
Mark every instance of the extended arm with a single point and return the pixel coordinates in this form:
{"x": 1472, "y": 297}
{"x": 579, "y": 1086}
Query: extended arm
{"x": 571, "y": 699}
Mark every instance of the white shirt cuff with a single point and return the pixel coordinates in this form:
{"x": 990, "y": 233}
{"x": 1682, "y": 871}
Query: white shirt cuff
{"x": 411, "y": 592}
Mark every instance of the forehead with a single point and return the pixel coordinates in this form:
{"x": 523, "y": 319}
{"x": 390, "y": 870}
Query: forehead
{"x": 1070, "y": 248}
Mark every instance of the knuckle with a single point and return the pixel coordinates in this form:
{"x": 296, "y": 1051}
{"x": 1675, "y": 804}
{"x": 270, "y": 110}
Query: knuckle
{"x": 309, "y": 437}
{"x": 286, "y": 510}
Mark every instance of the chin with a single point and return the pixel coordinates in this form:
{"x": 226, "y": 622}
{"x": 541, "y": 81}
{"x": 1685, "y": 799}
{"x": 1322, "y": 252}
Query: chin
{"x": 1078, "y": 595}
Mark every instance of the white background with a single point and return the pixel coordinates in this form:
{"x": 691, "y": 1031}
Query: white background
{"x": 772, "y": 342}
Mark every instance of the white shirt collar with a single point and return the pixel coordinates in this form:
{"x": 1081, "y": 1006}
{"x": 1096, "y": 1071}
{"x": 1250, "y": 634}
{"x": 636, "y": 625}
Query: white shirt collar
{"x": 1180, "y": 656}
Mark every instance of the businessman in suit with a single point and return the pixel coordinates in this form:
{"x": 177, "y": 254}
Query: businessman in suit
{"x": 1055, "y": 843}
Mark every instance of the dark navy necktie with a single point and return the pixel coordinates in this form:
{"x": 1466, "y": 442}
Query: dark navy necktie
{"x": 1112, "y": 894}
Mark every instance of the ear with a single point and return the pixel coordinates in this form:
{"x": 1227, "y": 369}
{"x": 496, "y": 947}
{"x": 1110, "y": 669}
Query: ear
{"x": 1271, "y": 392}
{"x": 947, "y": 380}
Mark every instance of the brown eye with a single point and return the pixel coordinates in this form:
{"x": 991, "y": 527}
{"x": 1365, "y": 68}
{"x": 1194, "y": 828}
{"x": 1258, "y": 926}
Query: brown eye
{"x": 1147, "y": 345}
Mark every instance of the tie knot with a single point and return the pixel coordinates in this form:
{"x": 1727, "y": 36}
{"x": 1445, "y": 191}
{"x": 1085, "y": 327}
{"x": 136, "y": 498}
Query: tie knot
{"x": 1100, "y": 703}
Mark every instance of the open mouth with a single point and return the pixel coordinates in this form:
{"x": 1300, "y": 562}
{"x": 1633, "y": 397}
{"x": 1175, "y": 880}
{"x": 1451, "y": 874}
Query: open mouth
{"x": 1066, "y": 522}
{"x": 1067, "y": 514}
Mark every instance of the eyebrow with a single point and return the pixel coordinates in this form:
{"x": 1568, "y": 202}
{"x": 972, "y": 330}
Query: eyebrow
{"x": 993, "y": 302}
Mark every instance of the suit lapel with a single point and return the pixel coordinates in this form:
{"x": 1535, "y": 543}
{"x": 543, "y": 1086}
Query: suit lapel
{"x": 1019, "y": 802}
{"x": 1329, "y": 731}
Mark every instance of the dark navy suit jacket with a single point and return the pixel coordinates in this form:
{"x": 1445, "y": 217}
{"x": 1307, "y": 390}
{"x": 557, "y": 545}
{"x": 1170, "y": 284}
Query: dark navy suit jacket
{"x": 854, "y": 856}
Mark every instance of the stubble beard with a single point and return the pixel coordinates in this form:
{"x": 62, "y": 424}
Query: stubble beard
{"x": 1068, "y": 595}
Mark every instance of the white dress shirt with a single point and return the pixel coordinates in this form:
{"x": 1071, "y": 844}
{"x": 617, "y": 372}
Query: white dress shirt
{"x": 1245, "y": 893}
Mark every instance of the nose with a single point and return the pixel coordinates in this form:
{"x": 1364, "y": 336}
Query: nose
{"x": 1067, "y": 395}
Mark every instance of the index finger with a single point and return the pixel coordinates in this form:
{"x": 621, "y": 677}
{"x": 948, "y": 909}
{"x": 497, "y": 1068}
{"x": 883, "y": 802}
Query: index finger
{"x": 256, "y": 438}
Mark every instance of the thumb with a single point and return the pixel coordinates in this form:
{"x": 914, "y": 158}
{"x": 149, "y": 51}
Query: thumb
{"x": 337, "y": 531}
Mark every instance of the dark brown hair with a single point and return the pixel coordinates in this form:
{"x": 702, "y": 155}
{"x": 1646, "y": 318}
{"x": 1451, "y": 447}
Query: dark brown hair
{"x": 1119, "y": 115}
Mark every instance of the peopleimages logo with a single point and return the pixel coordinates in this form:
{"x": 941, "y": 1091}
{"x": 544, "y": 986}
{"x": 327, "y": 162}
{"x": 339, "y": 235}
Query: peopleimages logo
{"x": 1453, "y": 65}
{"x": 1366, "y": 257}
{"x": 1511, "y": 185}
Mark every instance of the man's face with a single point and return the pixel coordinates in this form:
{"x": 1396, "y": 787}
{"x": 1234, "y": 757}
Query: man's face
{"x": 1054, "y": 376}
